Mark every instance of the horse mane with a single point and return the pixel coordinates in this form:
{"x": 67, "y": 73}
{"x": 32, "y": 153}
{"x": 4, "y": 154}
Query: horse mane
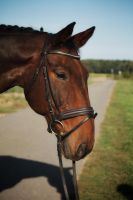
{"x": 15, "y": 28}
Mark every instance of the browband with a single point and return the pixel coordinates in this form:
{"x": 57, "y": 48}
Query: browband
{"x": 63, "y": 53}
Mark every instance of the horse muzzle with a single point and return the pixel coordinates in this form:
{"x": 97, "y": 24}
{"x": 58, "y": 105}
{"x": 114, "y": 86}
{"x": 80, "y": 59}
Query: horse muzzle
{"x": 75, "y": 154}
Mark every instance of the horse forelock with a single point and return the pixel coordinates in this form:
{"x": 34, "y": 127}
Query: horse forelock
{"x": 68, "y": 45}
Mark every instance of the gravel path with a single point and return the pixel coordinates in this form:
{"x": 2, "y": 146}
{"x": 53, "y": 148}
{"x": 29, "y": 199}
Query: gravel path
{"x": 28, "y": 158}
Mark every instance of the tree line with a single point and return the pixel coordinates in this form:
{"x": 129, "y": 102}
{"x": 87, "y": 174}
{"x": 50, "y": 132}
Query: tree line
{"x": 124, "y": 67}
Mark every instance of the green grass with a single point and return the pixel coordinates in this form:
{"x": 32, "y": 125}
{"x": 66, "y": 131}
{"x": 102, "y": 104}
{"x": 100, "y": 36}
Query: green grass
{"x": 12, "y": 100}
{"x": 108, "y": 174}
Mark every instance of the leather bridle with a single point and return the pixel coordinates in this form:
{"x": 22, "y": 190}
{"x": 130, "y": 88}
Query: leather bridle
{"x": 58, "y": 117}
{"x": 61, "y": 116}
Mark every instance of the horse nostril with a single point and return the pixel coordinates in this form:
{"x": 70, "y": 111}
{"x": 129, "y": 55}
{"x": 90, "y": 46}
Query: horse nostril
{"x": 82, "y": 151}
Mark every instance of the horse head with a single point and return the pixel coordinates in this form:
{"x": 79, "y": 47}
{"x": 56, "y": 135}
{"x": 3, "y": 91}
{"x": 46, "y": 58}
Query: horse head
{"x": 54, "y": 79}
{"x": 68, "y": 91}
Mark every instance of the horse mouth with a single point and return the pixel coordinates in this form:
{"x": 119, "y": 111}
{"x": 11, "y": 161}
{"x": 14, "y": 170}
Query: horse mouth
{"x": 76, "y": 155}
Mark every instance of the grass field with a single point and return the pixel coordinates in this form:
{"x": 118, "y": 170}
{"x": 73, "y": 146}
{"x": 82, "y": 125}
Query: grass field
{"x": 12, "y": 100}
{"x": 108, "y": 174}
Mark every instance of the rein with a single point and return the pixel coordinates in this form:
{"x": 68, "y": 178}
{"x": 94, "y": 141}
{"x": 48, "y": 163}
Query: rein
{"x": 56, "y": 119}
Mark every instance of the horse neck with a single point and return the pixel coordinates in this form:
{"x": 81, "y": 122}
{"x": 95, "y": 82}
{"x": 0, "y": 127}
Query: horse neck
{"x": 19, "y": 55}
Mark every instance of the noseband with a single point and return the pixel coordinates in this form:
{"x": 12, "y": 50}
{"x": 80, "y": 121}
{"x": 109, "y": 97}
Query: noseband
{"x": 58, "y": 117}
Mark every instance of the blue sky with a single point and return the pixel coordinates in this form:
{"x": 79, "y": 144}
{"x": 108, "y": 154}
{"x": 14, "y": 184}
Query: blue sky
{"x": 113, "y": 38}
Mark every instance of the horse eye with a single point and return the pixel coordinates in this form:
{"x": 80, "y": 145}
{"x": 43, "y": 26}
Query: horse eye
{"x": 61, "y": 75}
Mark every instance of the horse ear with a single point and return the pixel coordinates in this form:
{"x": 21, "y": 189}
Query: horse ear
{"x": 65, "y": 33}
{"x": 81, "y": 38}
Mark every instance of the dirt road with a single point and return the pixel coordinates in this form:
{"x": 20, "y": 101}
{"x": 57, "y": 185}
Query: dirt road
{"x": 28, "y": 158}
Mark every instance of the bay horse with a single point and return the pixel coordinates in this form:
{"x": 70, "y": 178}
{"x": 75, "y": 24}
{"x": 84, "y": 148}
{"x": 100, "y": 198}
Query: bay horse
{"x": 48, "y": 67}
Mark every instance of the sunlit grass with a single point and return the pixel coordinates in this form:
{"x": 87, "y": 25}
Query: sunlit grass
{"x": 12, "y": 100}
{"x": 108, "y": 174}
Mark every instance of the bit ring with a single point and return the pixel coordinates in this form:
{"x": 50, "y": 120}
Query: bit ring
{"x": 53, "y": 123}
